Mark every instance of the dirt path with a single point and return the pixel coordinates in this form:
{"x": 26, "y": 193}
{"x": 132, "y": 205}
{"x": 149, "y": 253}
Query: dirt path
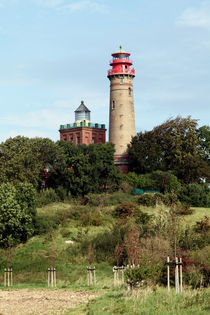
{"x": 24, "y": 301}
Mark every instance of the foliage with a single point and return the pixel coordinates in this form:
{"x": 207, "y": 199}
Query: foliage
{"x": 27, "y": 198}
{"x": 125, "y": 210}
{"x": 148, "y": 200}
{"x": 183, "y": 209}
{"x": 157, "y": 180}
{"x": 23, "y": 159}
{"x": 145, "y": 271}
{"x": 47, "y": 196}
{"x": 132, "y": 247}
{"x": 197, "y": 195}
{"x": 151, "y": 300}
{"x": 203, "y": 134}
{"x": 88, "y": 168}
{"x": 173, "y": 145}
{"x": 15, "y": 218}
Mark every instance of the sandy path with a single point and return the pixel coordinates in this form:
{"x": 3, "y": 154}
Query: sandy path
{"x": 24, "y": 301}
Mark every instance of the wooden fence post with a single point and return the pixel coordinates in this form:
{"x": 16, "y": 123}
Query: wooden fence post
{"x": 91, "y": 275}
{"x": 8, "y": 277}
{"x": 168, "y": 273}
{"x": 177, "y": 276}
{"x": 51, "y": 279}
{"x": 180, "y": 260}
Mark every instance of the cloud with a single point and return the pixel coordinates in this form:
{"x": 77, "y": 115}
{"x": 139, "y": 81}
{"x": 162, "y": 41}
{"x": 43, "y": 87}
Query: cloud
{"x": 83, "y": 5}
{"x": 196, "y": 17}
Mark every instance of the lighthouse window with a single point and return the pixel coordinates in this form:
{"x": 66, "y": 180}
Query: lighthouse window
{"x": 113, "y": 104}
{"x": 121, "y": 81}
{"x": 129, "y": 91}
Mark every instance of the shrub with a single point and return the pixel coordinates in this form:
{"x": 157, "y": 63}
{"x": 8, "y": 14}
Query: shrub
{"x": 61, "y": 193}
{"x": 125, "y": 187}
{"x": 197, "y": 195}
{"x": 157, "y": 180}
{"x": 15, "y": 219}
{"x": 190, "y": 240}
{"x": 202, "y": 226}
{"x": 45, "y": 224}
{"x": 125, "y": 210}
{"x": 183, "y": 209}
{"x": 47, "y": 196}
{"x": 26, "y": 197}
{"x": 132, "y": 248}
{"x": 145, "y": 271}
{"x": 90, "y": 218}
{"x": 148, "y": 200}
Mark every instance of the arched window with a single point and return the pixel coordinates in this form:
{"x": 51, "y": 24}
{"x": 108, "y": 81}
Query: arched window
{"x": 113, "y": 104}
{"x": 129, "y": 91}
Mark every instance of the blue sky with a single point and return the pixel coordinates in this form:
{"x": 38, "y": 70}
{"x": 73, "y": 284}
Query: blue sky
{"x": 55, "y": 53}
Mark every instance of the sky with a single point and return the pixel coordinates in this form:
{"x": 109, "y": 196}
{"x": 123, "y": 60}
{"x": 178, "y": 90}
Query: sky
{"x": 55, "y": 53}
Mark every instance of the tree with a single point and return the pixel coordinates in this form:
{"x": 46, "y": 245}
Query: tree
{"x": 19, "y": 162}
{"x": 15, "y": 222}
{"x": 23, "y": 159}
{"x": 173, "y": 145}
{"x": 88, "y": 168}
{"x": 203, "y": 134}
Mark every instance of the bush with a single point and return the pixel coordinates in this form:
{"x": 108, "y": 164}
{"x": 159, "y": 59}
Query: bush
{"x": 197, "y": 195}
{"x": 183, "y": 209}
{"x": 15, "y": 219}
{"x": 47, "y": 196}
{"x": 125, "y": 210}
{"x": 148, "y": 200}
{"x": 61, "y": 193}
{"x": 125, "y": 187}
{"x": 167, "y": 198}
{"x": 89, "y": 218}
{"x": 158, "y": 180}
{"x": 145, "y": 271}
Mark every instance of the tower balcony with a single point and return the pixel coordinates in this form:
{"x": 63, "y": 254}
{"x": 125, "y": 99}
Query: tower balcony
{"x": 121, "y": 61}
{"x": 117, "y": 71}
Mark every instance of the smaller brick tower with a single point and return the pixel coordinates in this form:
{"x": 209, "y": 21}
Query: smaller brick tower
{"x": 82, "y": 131}
{"x": 121, "y": 108}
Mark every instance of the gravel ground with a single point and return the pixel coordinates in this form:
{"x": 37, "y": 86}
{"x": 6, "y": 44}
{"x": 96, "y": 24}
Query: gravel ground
{"x": 22, "y": 302}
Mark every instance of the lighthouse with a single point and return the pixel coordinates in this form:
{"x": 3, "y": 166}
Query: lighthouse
{"x": 121, "y": 107}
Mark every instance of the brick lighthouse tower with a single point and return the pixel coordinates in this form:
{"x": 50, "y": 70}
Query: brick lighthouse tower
{"x": 121, "y": 110}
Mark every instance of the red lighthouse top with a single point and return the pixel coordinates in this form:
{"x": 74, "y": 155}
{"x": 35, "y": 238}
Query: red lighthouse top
{"x": 121, "y": 63}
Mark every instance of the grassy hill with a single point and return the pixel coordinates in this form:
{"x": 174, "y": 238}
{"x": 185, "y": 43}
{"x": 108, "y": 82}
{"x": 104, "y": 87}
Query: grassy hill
{"x": 94, "y": 230}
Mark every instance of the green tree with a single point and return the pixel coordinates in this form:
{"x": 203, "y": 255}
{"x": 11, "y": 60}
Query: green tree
{"x": 88, "y": 168}
{"x": 173, "y": 145}
{"x": 15, "y": 222}
{"x": 19, "y": 162}
{"x": 23, "y": 159}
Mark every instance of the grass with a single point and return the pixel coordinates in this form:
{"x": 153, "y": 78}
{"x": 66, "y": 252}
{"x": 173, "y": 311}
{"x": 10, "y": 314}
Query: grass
{"x": 152, "y": 300}
{"x": 72, "y": 221}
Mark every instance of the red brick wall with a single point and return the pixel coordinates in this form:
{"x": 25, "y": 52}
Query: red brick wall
{"x": 83, "y": 135}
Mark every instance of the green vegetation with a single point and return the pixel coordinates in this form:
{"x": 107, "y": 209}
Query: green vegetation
{"x": 87, "y": 216}
{"x": 106, "y": 234}
{"x": 175, "y": 145}
{"x": 147, "y": 301}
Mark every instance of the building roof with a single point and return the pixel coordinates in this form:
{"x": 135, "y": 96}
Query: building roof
{"x": 82, "y": 108}
{"x": 121, "y": 51}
